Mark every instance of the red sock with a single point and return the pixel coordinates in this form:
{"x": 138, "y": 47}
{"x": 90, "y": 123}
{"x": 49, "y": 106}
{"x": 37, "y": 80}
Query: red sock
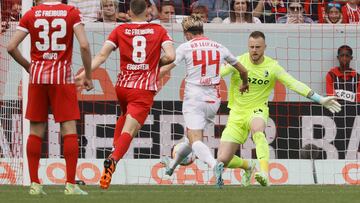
{"x": 33, "y": 151}
{"x": 118, "y": 128}
{"x": 121, "y": 146}
{"x": 71, "y": 153}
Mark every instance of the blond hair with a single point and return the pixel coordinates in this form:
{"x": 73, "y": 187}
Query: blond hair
{"x": 115, "y": 2}
{"x": 193, "y": 24}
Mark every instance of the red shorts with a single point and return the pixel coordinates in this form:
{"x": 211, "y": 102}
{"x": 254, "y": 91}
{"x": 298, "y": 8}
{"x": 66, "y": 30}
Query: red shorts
{"x": 135, "y": 102}
{"x": 61, "y": 98}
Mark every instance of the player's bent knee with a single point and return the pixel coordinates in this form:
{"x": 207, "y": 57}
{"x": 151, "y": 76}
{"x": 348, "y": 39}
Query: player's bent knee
{"x": 224, "y": 158}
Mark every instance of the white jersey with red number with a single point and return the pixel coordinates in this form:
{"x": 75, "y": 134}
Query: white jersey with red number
{"x": 203, "y": 58}
{"x": 140, "y": 48}
{"x": 50, "y": 26}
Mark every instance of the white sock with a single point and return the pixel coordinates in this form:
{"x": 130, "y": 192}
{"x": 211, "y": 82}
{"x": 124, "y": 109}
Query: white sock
{"x": 183, "y": 151}
{"x": 203, "y": 153}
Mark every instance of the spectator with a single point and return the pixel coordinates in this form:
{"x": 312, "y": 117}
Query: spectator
{"x": 295, "y": 14}
{"x": 109, "y": 11}
{"x": 11, "y": 10}
{"x": 90, "y": 9}
{"x": 333, "y": 13}
{"x": 3, "y": 20}
{"x": 351, "y": 12}
{"x": 322, "y": 8}
{"x": 123, "y": 11}
{"x": 216, "y": 8}
{"x": 200, "y": 10}
{"x": 342, "y": 80}
{"x": 269, "y": 10}
{"x": 311, "y": 8}
{"x": 241, "y": 12}
{"x": 166, "y": 12}
{"x": 152, "y": 10}
{"x": 15, "y": 10}
{"x": 182, "y": 7}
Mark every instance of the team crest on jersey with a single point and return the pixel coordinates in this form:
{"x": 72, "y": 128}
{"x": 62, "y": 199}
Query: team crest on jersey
{"x": 266, "y": 73}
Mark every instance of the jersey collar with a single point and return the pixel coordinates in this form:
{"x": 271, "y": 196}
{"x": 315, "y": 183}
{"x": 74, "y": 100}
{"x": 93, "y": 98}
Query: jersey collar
{"x": 199, "y": 38}
{"x": 52, "y": 3}
{"x": 140, "y": 23}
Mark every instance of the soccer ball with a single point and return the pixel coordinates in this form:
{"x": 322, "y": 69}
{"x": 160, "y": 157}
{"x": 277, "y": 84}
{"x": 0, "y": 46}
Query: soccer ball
{"x": 188, "y": 160}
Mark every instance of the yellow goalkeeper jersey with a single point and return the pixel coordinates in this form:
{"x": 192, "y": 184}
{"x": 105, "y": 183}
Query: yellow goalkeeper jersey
{"x": 262, "y": 79}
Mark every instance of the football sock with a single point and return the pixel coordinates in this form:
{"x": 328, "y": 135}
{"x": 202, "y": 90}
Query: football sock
{"x": 121, "y": 146}
{"x": 237, "y": 162}
{"x": 262, "y": 151}
{"x": 203, "y": 153}
{"x": 71, "y": 154}
{"x": 181, "y": 153}
{"x": 33, "y": 152}
{"x": 118, "y": 128}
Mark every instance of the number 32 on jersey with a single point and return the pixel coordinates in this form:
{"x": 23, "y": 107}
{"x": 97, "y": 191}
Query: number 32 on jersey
{"x": 46, "y": 36}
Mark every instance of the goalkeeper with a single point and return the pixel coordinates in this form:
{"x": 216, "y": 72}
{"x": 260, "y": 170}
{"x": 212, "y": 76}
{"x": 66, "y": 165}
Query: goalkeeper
{"x": 249, "y": 112}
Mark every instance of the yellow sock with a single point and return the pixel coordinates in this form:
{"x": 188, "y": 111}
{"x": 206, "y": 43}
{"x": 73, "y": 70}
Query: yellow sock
{"x": 262, "y": 151}
{"x": 237, "y": 162}
{"x": 264, "y": 166}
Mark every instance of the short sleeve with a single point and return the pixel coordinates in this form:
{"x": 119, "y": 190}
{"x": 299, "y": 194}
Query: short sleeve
{"x": 24, "y": 22}
{"x": 113, "y": 38}
{"x": 166, "y": 38}
{"x": 179, "y": 55}
{"x": 75, "y": 17}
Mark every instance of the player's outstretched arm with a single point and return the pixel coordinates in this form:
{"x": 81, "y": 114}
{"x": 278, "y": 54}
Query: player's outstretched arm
{"x": 328, "y": 102}
{"x": 302, "y": 89}
{"x": 85, "y": 55}
{"x": 12, "y": 49}
{"x": 165, "y": 69}
{"x": 290, "y": 82}
{"x": 244, "y": 77}
{"x": 169, "y": 54}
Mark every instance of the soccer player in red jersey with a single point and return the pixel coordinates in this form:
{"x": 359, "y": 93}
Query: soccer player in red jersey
{"x": 140, "y": 44}
{"x": 51, "y": 26}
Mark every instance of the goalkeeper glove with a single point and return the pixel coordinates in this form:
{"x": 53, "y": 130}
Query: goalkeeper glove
{"x": 328, "y": 102}
{"x": 331, "y": 104}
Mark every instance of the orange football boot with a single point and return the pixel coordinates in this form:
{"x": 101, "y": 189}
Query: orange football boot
{"x": 109, "y": 169}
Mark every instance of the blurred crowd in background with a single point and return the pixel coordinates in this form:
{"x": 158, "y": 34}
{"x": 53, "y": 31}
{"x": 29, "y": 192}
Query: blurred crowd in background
{"x": 212, "y": 11}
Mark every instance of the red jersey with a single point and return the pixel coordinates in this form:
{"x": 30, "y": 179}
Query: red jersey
{"x": 345, "y": 85}
{"x": 50, "y": 26}
{"x": 140, "y": 48}
{"x": 350, "y": 15}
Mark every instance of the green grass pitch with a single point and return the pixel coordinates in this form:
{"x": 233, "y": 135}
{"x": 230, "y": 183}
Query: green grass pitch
{"x": 186, "y": 194}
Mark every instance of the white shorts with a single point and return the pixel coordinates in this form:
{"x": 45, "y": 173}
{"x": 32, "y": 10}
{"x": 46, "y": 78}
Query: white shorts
{"x": 200, "y": 105}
